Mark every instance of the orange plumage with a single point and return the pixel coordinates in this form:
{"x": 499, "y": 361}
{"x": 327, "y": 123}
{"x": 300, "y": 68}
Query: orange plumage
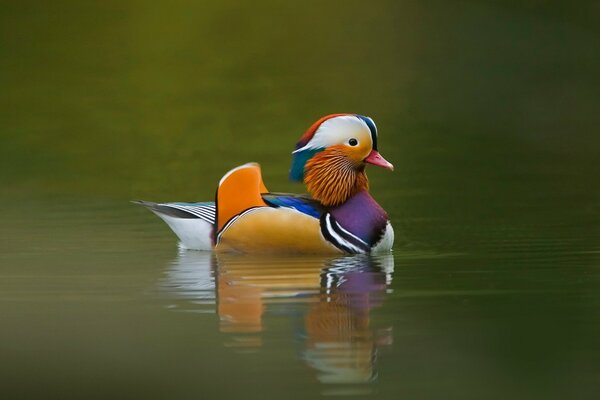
{"x": 332, "y": 177}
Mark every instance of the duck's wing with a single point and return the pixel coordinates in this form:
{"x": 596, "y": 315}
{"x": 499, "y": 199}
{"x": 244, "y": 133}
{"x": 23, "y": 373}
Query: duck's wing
{"x": 301, "y": 203}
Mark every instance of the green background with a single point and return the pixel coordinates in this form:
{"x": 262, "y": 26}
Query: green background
{"x": 488, "y": 110}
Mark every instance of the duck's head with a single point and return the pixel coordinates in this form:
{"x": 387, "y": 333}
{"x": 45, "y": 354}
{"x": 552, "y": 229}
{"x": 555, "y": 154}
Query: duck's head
{"x": 331, "y": 157}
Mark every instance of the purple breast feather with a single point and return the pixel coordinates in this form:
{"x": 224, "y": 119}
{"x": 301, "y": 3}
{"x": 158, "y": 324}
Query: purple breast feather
{"x": 362, "y": 216}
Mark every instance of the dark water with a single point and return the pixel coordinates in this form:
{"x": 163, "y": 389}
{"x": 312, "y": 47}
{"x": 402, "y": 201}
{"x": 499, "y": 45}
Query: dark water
{"x": 489, "y": 112}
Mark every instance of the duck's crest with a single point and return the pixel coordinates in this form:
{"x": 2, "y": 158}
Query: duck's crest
{"x": 308, "y": 135}
{"x": 239, "y": 190}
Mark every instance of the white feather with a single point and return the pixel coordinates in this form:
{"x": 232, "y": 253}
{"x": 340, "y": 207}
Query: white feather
{"x": 386, "y": 242}
{"x": 338, "y": 238}
{"x": 350, "y": 234}
{"x": 194, "y": 233}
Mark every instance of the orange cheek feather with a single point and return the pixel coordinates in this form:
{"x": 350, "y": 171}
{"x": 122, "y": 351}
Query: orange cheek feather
{"x": 357, "y": 153}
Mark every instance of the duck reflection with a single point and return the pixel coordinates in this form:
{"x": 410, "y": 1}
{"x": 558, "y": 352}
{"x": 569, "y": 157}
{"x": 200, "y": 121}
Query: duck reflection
{"x": 327, "y": 300}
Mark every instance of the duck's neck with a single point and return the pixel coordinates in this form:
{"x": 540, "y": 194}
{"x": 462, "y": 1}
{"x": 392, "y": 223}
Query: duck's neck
{"x": 332, "y": 178}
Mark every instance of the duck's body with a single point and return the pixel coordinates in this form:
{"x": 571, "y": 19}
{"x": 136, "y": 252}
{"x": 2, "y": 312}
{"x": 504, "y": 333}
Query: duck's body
{"x": 340, "y": 217}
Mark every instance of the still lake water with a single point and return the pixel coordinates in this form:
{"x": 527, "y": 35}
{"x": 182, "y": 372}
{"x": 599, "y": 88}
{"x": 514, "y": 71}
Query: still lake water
{"x": 488, "y": 111}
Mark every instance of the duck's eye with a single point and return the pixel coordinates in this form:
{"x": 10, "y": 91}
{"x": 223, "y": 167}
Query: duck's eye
{"x": 352, "y": 142}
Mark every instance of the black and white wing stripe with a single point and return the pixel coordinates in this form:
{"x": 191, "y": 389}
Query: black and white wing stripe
{"x": 340, "y": 237}
{"x": 204, "y": 211}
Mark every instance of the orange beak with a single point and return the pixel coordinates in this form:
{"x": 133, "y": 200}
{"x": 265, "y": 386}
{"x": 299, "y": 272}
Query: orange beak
{"x": 376, "y": 159}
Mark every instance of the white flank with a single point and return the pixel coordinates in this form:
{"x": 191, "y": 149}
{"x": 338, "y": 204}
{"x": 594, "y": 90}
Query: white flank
{"x": 194, "y": 233}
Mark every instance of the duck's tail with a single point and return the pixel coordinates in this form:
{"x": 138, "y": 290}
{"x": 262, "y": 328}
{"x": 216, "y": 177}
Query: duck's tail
{"x": 198, "y": 224}
{"x": 193, "y": 223}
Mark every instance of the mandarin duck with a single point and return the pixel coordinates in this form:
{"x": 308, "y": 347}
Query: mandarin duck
{"x": 339, "y": 216}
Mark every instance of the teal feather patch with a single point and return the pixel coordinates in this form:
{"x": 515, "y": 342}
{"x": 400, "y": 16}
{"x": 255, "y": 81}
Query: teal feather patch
{"x": 299, "y": 160}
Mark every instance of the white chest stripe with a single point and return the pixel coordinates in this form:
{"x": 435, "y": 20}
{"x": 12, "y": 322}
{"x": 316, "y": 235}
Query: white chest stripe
{"x": 338, "y": 240}
{"x": 350, "y": 234}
